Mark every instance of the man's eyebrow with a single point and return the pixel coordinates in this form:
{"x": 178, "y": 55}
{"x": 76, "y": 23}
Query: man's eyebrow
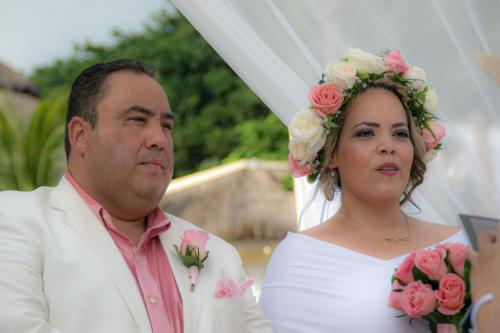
{"x": 148, "y": 112}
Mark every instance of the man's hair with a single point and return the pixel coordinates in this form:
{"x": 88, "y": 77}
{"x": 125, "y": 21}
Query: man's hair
{"x": 88, "y": 89}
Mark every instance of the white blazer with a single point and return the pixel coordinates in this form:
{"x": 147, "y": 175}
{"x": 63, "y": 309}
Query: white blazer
{"x": 61, "y": 272}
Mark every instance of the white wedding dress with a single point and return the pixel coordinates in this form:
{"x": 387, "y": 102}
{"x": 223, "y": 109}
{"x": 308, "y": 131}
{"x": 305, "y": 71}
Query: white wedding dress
{"x": 313, "y": 286}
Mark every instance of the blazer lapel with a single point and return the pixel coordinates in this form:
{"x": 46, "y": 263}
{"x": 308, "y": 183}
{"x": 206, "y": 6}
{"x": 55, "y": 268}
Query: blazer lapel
{"x": 79, "y": 216}
{"x": 191, "y": 300}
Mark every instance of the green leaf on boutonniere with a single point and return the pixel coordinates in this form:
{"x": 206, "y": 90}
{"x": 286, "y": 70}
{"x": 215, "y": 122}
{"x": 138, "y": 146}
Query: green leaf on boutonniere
{"x": 187, "y": 260}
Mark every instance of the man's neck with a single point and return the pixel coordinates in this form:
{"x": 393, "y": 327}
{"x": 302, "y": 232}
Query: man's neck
{"x": 132, "y": 229}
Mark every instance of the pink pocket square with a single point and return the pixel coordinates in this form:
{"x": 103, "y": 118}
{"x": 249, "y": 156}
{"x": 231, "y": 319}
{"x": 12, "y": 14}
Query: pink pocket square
{"x": 228, "y": 288}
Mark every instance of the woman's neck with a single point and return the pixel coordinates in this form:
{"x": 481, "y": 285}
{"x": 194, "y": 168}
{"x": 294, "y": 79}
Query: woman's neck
{"x": 383, "y": 215}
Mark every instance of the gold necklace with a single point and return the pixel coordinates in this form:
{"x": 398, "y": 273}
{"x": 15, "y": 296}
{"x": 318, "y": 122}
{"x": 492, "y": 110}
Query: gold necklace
{"x": 387, "y": 239}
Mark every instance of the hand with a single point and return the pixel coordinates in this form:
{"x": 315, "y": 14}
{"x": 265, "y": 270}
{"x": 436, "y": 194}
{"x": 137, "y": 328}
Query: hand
{"x": 481, "y": 262}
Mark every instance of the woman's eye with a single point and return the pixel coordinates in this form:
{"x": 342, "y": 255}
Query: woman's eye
{"x": 403, "y": 134}
{"x": 364, "y": 133}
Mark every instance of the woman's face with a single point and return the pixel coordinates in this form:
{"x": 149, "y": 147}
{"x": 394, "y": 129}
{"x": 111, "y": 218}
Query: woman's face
{"x": 374, "y": 153}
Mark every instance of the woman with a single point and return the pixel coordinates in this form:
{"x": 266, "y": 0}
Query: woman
{"x": 369, "y": 131}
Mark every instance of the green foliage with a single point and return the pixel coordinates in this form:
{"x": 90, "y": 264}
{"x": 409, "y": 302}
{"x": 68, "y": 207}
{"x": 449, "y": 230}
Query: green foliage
{"x": 31, "y": 153}
{"x": 218, "y": 118}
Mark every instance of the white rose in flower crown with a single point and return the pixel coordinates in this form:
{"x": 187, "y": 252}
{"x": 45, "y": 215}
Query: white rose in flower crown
{"x": 307, "y": 128}
{"x": 431, "y": 100}
{"x": 342, "y": 74}
{"x": 300, "y": 152}
{"x": 417, "y": 75}
{"x": 365, "y": 62}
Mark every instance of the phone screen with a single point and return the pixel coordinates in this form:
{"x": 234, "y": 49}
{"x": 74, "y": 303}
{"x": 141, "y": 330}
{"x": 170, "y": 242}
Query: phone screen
{"x": 474, "y": 225}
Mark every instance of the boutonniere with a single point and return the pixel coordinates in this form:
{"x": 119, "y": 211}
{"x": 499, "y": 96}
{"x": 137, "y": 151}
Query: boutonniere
{"x": 192, "y": 253}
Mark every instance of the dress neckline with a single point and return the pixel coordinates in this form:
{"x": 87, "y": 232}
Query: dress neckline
{"x": 361, "y": 254}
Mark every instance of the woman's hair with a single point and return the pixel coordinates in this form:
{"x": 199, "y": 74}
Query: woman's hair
{"x": 330, "y": 179}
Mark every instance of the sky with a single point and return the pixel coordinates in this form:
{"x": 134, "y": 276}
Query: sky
{"x": 36, "y": 32}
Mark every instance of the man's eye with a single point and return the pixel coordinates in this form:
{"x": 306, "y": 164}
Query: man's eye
{"x": 364, "y": 133}
{"x": 138, "y": 119}
{"x": 168, "y": 126}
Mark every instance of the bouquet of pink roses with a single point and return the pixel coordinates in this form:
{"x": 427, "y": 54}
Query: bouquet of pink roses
{"x": 434, "y": 284}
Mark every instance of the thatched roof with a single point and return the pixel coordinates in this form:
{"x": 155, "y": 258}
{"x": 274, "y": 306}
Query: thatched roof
{"x": 490, "y": 62}
{"x": 16, "y": 92}
{"x": 13, "y": 81}
{"x": 240, "y": 200}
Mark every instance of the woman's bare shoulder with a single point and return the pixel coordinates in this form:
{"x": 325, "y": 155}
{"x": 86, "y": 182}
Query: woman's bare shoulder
{"x": 434, "y": 230}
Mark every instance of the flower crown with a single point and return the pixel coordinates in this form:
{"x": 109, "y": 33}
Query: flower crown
{"x": 338, "y": 86}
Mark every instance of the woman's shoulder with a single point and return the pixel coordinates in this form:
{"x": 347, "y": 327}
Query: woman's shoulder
{"x": 434, "y": 232}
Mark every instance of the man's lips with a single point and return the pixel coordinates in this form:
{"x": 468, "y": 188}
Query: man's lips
{"x": 154, "y": 163}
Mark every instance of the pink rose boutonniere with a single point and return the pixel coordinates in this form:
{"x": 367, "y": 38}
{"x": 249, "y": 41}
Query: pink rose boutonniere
{"x": 193, "y": 253}
{"x": 433, "y": 284}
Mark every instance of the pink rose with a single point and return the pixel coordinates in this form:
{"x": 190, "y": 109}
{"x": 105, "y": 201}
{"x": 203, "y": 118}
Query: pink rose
{"x": 431, "y": 262}
{"x": 228, "y": 288}
{"x": 394, "y": 61}
{"x": 196, "y": 241}
{"x": 404, "y": 270}
{"x": 395, "y": 297}
{"x": 450, "y": 295}
{"x": 297, "y": 169}
{"x": 418, "y": 299}
{"x": 326, "y": 99}
{"x": 433, "y": 137}
{"x": 457, "y": 253}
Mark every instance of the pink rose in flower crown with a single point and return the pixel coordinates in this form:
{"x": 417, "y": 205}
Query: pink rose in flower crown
{"x": 418, "y": 299}
{"x": 394, "y": 61}
{"x": 451, "y": 294}
{"x": 229, "y": 288}
{"x": 396, "y": 295}
{"x": 457, "y": 253}
{"x": 431, "y": 262}
{"x": 297, "y": 169}
{"x": 433, "y": 136}
{"x": 404, "y": 270}
{"x": 326, "y": 99}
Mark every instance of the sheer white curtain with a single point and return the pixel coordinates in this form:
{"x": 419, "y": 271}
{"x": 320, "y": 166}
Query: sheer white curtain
{"x": 279, "y": 48}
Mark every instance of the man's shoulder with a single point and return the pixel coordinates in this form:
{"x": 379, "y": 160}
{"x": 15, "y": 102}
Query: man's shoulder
{"x": 19, "y": 202}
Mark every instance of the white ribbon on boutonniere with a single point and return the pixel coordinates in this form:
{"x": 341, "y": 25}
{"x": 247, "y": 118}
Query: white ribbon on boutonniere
{"x": 193, "y": 253}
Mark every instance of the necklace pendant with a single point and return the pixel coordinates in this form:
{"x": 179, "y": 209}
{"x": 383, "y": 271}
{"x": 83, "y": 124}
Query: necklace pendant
{"x": 398, "y": 239}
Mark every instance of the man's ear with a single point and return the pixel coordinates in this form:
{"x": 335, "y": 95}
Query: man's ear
{"x": 78, "y": 135}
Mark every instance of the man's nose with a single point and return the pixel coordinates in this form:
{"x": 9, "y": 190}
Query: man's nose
{"x": 157, "y": 136}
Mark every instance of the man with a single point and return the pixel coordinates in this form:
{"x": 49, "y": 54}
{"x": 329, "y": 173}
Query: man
{"x": 95, "y": 254}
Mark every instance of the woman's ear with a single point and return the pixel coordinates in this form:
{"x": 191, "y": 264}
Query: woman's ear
{"x": 333, "y": 162}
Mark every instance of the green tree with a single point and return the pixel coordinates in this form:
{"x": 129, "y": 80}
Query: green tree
{"x": 218, "y": 118}
{"x": 31, "y": 153}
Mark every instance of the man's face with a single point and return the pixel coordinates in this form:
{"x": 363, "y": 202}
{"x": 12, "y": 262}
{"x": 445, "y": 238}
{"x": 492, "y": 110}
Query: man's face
{"x": 130, "y": 152}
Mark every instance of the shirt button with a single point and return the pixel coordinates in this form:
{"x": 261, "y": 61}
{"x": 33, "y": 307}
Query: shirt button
{"x": 152, "y": 300}
{"x": 138, "y": 258}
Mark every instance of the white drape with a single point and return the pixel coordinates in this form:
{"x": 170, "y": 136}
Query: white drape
{"x": 279, "y": 48}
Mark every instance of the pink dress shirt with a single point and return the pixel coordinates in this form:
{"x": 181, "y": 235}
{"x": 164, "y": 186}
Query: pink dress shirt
{"x": 148, "y": 264}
